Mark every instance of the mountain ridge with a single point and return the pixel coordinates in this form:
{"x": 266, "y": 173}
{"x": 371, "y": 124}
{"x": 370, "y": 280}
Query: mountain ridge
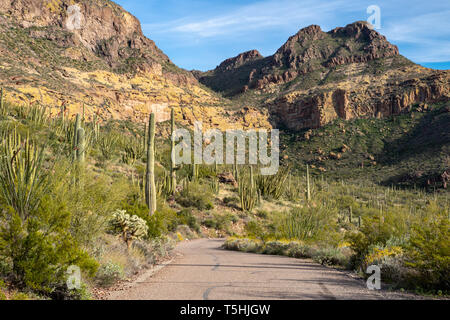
{"x": 106, "y": 65}
{"x": 316, "y": 77}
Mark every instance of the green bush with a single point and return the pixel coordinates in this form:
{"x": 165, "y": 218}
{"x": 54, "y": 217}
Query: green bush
{"x": 220, "y": 221}
{"x": 196, "y": 195}
{"x": 330, "y": 256}
{"x": 108, "y": 274}
{"x": 375, "y": 231}
{"x": 41, "y": 248}
{"x": 185, "y": 217}
{"x": 428, "y": 252}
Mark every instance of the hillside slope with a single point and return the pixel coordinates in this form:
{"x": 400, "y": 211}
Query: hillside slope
{"x": 102, "y": 60}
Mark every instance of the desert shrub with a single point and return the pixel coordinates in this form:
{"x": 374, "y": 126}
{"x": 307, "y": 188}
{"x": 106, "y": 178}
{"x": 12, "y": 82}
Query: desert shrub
{"x": 231, "y": 202}
{"x": 185, "y": 217}
{"x": 220, "y": 221}
{"x": 378, "y": 231}
{"x": 2, "y": 289}
{"x": 299, "y": 250}
{"x": 306, "y": 223}
{"x": 41, "y": 248}
{"x": 130, "y": 227}
{"x": 428, "y": 252}
{"x": 276, "y": 248}
{"x": 23, "y": 180}
{"x": 108, "y": 274}
{"x": 330, "y": 256}
{"x": 91, "y": 207}
{"x": 262, "y": 214}
{"x": 244, "y": 245}
{"x": 196, "y": 195}
{"x": 256, "y": 229}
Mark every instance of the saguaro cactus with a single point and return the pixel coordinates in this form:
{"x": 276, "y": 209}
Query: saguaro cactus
{"x": 1, "y": 102}
{"x": 173, "y": 174}
{"x": 308, "y": 184}
{"x": 81, "y": 145}
{"x": 75, "y": 136}
{"x": 150, "y": 186}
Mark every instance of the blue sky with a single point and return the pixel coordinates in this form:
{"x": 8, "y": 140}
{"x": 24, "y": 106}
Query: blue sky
{"x": 199, "y": 34}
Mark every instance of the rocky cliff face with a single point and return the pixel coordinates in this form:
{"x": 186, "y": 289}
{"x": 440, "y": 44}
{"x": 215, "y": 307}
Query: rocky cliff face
{"x": 93, "y": 53}
{"x": 316, "y": 77}
{"x": 102, "y": 27}
{"x": 313, "y": 109}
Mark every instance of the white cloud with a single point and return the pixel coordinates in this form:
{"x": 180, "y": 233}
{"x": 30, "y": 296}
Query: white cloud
{"x": 259, "y": 16}
{"x": 426, "y": 36}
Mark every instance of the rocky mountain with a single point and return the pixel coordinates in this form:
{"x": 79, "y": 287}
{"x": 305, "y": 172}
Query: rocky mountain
{"x": 93, "y": 53}
{"x": 317, "y": 76}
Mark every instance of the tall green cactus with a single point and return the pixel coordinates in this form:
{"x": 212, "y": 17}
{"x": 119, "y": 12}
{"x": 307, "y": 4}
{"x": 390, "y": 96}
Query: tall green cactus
{"x": 150, "y": 186}
{"x": 77, "y": 126}
{"x": 83, "y": 117}
{"x": 308, "y": 184}
{"x": 81, "y": 145}
{"x": 194, "y": 172}
{"x": 236, "y": 173}
{"x": 248, "y": 193}
{"x": 2, "y": 106}
{"x": 173, "y": 174}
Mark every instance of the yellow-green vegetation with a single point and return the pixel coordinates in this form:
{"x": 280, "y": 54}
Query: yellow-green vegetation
{"x": 73, "y": 192}
{"x": 70, "y": 197}
{"x": 405, "y": 232}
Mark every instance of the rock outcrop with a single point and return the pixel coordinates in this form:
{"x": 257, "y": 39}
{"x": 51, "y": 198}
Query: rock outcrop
{"x": 317, "y": 76}
{"x": 93, "y": 53}
{"x": 309, "y": 109}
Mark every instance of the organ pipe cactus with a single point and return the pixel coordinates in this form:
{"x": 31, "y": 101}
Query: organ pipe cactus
{"x": 150, "y": 186}
{"x": 247, "y": 193}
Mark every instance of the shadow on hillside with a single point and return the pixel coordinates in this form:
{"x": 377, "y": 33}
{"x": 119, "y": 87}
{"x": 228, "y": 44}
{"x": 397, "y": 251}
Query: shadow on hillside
{"x": 422, "y": 154}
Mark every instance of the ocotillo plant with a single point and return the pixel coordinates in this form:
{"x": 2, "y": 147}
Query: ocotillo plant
{"x": 173, "y": 174}
{"x": 215, "y": 186}
{"x": 273, "y": 186}
{"x": 23, "y": 178}
{"x": 150, "y": 187}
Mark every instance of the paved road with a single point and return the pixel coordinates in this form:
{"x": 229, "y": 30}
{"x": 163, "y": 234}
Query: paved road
{"x": 203, "y": 271}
